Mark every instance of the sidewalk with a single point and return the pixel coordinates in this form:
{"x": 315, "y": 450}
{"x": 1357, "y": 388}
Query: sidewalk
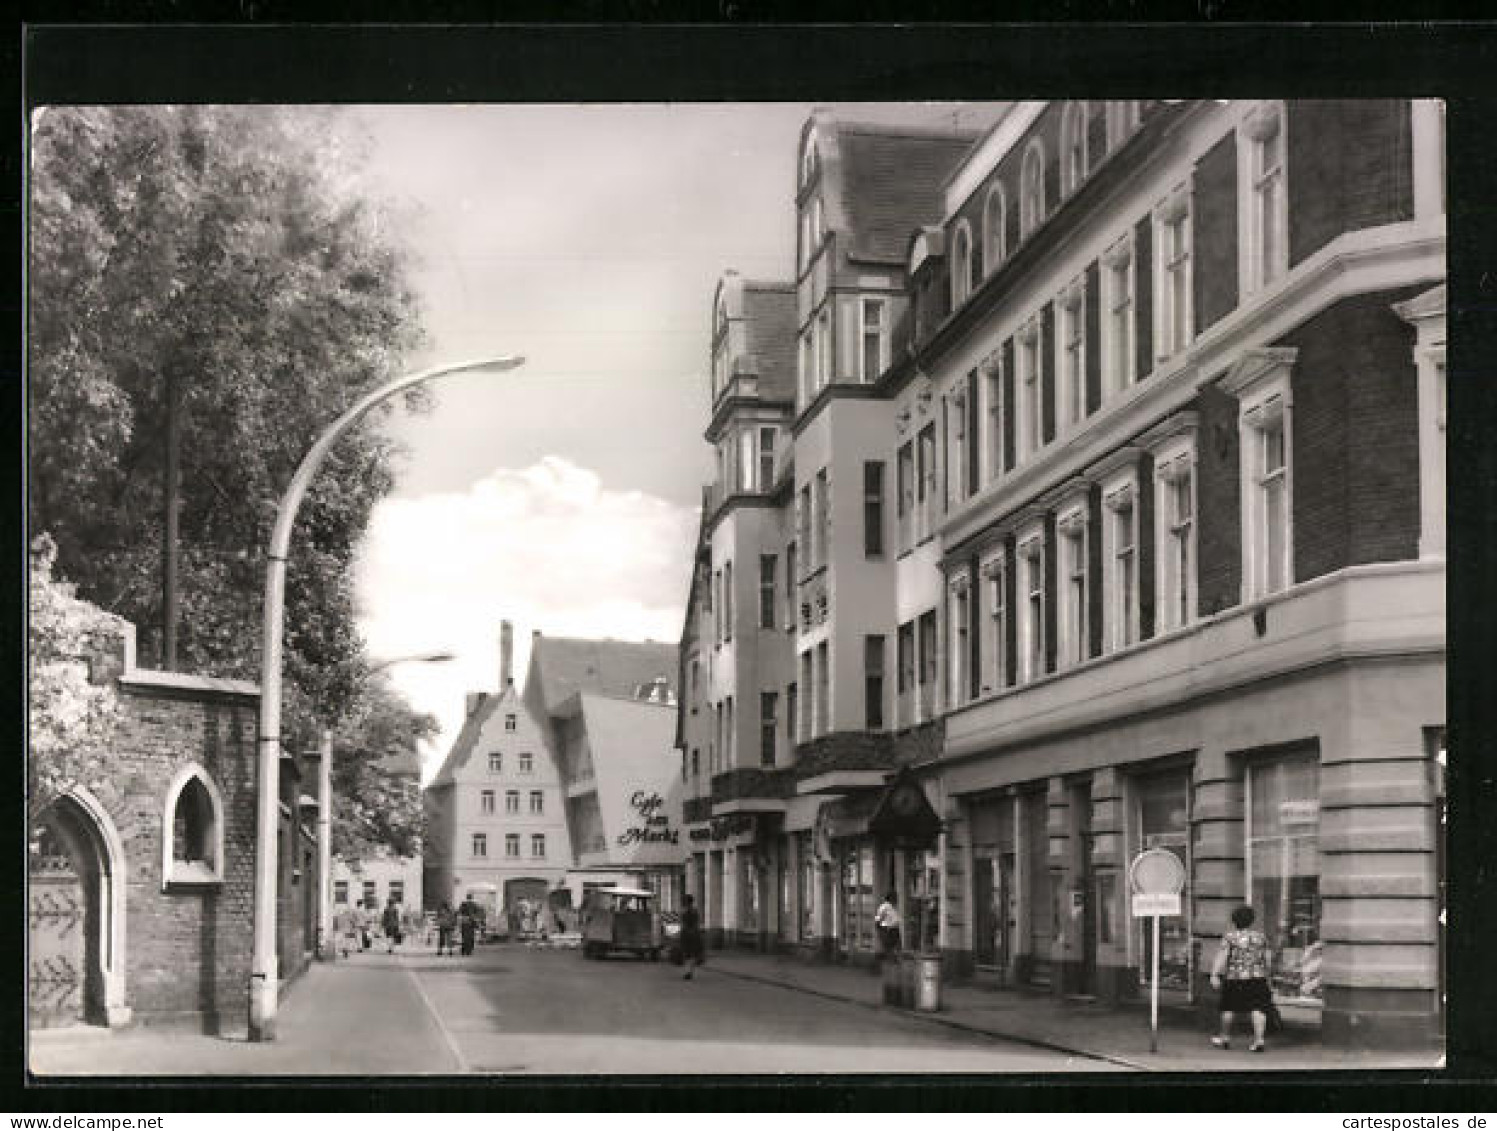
{"x": 364, "y": 1015}
{"x": 1117, "y": 1034}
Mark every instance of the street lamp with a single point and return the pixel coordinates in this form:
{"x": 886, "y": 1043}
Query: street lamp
{"x": 325, "y": 947}
{"x": 264, "y": 982}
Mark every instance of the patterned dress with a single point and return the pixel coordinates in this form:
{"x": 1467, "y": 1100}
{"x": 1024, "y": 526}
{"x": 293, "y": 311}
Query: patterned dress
{"x": 1243, "y": 962}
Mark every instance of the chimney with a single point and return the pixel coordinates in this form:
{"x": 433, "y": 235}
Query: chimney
{"x": 506, "y": 654}
{"x": 474, "y": 701}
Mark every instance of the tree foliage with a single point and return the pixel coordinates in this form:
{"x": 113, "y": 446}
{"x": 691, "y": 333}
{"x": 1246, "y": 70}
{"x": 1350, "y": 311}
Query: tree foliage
{"x": 227, "y": 247}
{"x": 73, "y": 717}
{"x": 376, "y": 785}
{"x": 231, "y": 249}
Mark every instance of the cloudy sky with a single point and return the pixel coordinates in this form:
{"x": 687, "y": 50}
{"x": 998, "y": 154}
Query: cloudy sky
{"x": 564, "y": 496}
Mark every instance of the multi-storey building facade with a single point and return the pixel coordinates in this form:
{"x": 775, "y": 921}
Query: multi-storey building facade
{"x": 495, "y": 815}
{"x": 1163, "y": 422}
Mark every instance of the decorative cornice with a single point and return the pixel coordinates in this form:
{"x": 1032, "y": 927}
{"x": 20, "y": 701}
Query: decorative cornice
{"x": 1254, "y": 366}
{"x": 1125, "y": 458}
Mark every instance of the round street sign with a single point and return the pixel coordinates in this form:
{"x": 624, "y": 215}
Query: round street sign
{"x": 1156, "y": 871}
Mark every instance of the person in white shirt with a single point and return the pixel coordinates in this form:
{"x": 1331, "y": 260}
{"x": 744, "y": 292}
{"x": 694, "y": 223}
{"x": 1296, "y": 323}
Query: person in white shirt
{"x": 886, "y": 920}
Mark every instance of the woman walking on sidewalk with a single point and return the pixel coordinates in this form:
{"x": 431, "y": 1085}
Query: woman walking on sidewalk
{"x": 691, "y": 935}
{"x": 1241, "y": 976}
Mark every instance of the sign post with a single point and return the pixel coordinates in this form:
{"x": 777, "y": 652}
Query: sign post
{"x": 1156, "y": 878}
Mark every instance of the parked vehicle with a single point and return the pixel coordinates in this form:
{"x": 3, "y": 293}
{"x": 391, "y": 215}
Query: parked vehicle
{"x": 621, "y": 919}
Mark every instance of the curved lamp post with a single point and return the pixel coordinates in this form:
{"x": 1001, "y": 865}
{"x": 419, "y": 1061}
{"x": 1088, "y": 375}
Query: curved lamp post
{"x": 264, "y": 982}
{"x": 326, "y": 947}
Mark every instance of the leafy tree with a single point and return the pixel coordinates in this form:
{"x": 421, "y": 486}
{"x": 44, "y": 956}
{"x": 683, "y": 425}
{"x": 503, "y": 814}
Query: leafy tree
{"x": 376, "y": 783}
{"x": 229, "y": 248}
{"x": 72, "y": 716}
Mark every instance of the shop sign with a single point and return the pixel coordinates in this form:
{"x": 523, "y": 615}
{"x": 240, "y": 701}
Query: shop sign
{"x": 653, "y": 825}
{"x": 721, "y": 828}
{"x": 1159, "y": 904}
{"x": 1304, "y": 812}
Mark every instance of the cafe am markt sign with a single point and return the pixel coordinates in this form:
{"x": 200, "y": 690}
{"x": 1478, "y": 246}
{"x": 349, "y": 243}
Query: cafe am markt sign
{"x": 652, "y": 825}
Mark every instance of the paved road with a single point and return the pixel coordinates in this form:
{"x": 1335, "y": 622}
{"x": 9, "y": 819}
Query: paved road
{"x": 519, "y": 1010}
{"x": 515, "y": 1010}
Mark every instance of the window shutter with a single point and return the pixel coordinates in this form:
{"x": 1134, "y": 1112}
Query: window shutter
{"x": 1147, "y": 539}
{"x": 974, "y": 628}
{"x": 1008, "y": 404}
{"x": 974, "y": 446}
{"x": 1010, "y": 617}
{"x": 1047, "y": 372}
{"x": 1094, "y": 569}
{"x": 1093, "y": 339}
{"x": 1050, "y": 601}
{"x": 1214, "y": 241}
{"x": 1143, "y": 299}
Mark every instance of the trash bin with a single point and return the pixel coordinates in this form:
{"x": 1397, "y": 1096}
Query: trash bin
{"x": 928, "y": 983}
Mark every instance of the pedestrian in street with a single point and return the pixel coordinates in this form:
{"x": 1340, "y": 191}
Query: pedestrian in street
{"x": 691, "y": 935}
{"x": 1240, "y": 974}
{"x": 391, "y": 924}
{"x": 468, "y": 914}
{"x": 446, "y": 924}
{"x": 886, "y": 919}
{"x": 366, "y": 917}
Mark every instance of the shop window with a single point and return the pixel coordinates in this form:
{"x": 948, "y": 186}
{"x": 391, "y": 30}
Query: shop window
{"x": 1283, "y": 870}
{"x": 858, "y": 901}
{"x": 1162, "y": 817}
{"x": 192, "y": 850}
{"x": 808, "y": 879}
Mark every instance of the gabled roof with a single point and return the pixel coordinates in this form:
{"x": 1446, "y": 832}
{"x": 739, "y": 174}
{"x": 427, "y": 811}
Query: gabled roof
{"x": 467, "y": 738}
{"x": 892, "y": 180}
{"x": 564, "y": 666}
{"x": 769, "y": 321}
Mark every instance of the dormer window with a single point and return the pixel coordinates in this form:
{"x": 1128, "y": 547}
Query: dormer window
{"x": 994, "y": 238}
{"x": 1073, "y": 147}
{"x": 1032, "y": 189}
{"x": 961, "y": 265}
{"x": 193, "y": 837}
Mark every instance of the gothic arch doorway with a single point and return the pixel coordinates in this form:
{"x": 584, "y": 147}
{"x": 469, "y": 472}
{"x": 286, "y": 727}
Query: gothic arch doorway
{"x": 76, "y": 916}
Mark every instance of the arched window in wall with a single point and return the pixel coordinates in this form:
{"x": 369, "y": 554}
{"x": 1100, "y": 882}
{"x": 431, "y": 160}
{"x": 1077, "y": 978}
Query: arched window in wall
{"x": 192, "y": 833}
{"x": 1073, "y": 147}
{"x": 1032, "y": 188}
{"x": 961, "y": 264}
{"x": 994, "y": 241}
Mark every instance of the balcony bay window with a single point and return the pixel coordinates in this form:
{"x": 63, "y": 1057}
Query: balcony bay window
{"x": 765, "y": 480}
{"x": 874, "y": 357}
{"x": 1172, "y": 300}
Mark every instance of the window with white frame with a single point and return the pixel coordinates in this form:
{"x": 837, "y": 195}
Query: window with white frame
{"x": 818, "y": 223}
{"x": 1172, "y": 301}
{"x": 496, "y": 762}
{"x": 538, "y": 845}
{"x": 527, "y": 763}
{"x": 730, "y": 735}
{"x": 509, "y": 722}
{"x": 961, "y": 264}
{"x": 823, "y": 350}
{"x": 823, "y": 689}
{"x": 511, "y": 800}
{"x": 1032, "y": 189}
{"x": 1031, "y": 561}
{"x": 1118, "y": 311}
{"x": 766, "y": 458}
{"x": 767, "y": 570}
{"x": 821, "y": 516}
{"x": 193, "y": 844}
{"x": 906, "y": 501}
{"x": 905, "y": 673}
{"x": 1070, "y": 329}
{"x": 805, "y": 724}
{"x": 1073, "y": 147}
{"x": 803, "y": 526}
{"x": 807, "y": 387}
{"x": 994, "y": 236}
{"x": 874, "y": 356}
{"x": 511, "y": 845}
{"x": 1070, "y": 531}
{"x": 1120, "y": 561}
{"x": 1028, "y": 386}
{"x": 1122, "y": 120}
{"x": 995, "y": 626}
{"x": 1261, "y": 169}
{"x": 727, "y": 602}
{"x": 1260, "y": 380}
{"x": 930, "y": 665}
{"x": 925, "y": 496}
{"x": 992, "y": 391}
{"x": 956, "y": 450}
{"x": 480, "y": 845}
{"x": 537, "y": 802}
{"x": 1175, "y": 507}
{"x": 959, "y": 640}
{"x": 486, "y": 801}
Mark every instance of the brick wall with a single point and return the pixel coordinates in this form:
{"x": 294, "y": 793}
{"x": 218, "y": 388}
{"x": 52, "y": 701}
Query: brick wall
{"x": 1355, "y": 437}
{"x": 1214, "y": 279}
{"x": 1218, "y": 504}
{"x": 187, "y": 950}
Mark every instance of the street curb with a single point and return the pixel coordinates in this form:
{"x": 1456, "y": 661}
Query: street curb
{"x": 1033, "y": 1042}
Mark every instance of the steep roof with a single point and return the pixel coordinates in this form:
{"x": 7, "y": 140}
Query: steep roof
{"x": 769, "y": 319}
{"x": 566, "y": 666}
{"x": 467, "y": 738}
{"x": 892, "y": 182}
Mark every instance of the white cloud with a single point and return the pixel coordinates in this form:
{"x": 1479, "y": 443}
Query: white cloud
{"x": 546, "y": 547}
